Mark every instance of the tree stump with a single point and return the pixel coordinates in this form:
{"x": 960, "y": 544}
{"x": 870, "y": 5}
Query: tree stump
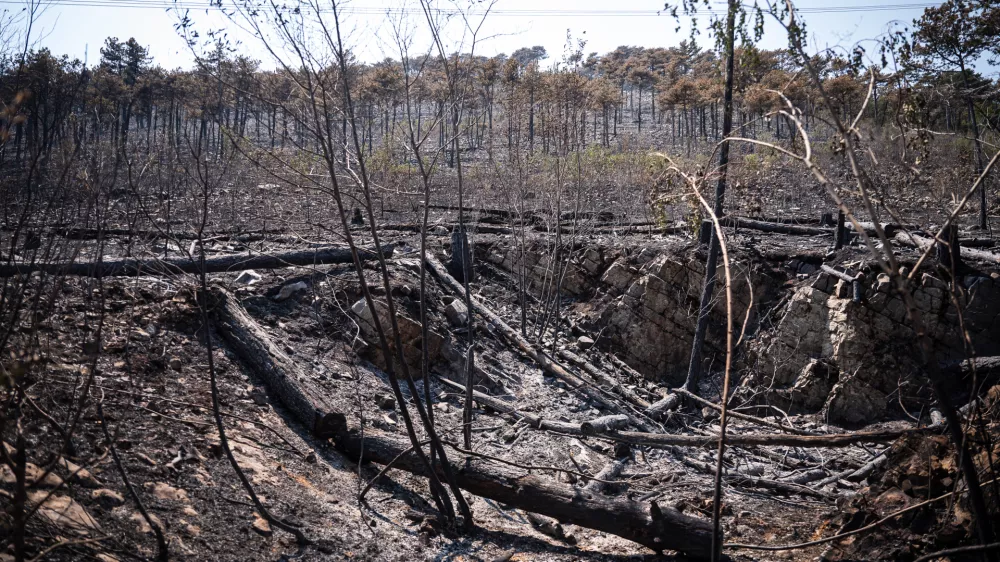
{"x": 841, "y": 232}
{"x": 461, "y": 256}
{"x": 949, "y": 249}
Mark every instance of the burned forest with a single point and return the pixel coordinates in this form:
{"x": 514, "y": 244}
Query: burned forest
{"x": 720, "y": 300}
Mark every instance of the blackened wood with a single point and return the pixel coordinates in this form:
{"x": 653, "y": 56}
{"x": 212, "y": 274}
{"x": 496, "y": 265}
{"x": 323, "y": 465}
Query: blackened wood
{"x": 661, "y": 440}
{"x": 134, "y": 267}
{"x": 542, "y": 359}
{"x": 659, "y": 409}
{"x": 948, "y": 249}
{"x": 604, "y": 379}
{"x": 279, "y": 372}
{"x": 604, "y": 424}
{"x": 840, "y": 233}
{"x": 923, "y": 243}
{"x": 777, "y": 228}
{"x": 461, "y": 256}
{"x": 658, "y": 528}
{"x": 610, "y": 471}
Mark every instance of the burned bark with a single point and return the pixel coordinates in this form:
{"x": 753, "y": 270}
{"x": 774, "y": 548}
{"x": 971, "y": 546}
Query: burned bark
{"x": 273, "y": 366}
{"x": 221, "y": 264}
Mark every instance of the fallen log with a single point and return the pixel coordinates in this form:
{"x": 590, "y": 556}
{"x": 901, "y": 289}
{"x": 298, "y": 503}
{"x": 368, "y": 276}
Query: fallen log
{"x": 604, "y": 379}
{"x": 78, "y": 233}
{"x": 658, "y": 528}
{"x": 176, "y": 266}
{"x": 546, "y": 363}
{"x": 890, "y": 229}
{"x": 647, "y": 524}
{"x": 472, "y": 227}
{"x": 636, "y": 375}
{"x": 272, "y": 365}
{"x": 759, "y": 439}
{"x": 611, "y": 471}
{"x": 82, "y": 233}
{"x": 739, "y": 416}
{"x": 598, "y": 428}
{"x": 533, "y": 421}
{"x": 604, "y": 424}
{"x": 979, "y": 242}
{"x": 773, "y": 227}
{"x": 923, "y": 244}
{"x": 983, "y": 366}
{"x": 735, "y": 479}
{"x": 659, "y": 409}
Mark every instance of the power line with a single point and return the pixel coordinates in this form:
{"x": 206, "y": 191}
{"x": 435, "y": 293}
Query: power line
{"x": 537, "y": 12}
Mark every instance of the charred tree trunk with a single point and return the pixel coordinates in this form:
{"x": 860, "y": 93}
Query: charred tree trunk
{"x": 134, "y": 267}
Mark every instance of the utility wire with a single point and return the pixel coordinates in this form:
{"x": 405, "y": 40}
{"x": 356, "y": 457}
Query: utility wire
{"x": 539, "y": 12}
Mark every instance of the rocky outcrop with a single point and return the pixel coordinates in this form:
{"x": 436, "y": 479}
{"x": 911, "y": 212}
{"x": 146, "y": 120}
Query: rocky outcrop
{"x": 644, "y": 301}
{"x": 410, "y": 334}
{"x": 579, "y": 278}
{"x": 654, "y": 295}
{"x": 820, "y": 351}
{"x": 867, "y": 348}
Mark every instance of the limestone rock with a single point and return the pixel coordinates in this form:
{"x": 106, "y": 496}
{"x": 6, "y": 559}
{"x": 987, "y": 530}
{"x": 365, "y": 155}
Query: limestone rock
{"x": 457, "y": 313}
{"x": 32, "y": 474}
{"x": 583, "y": 343}
{"x": 409, "y": 332}
{"x": 247, "y": 277}
{"x": 854, "y": 402}
{"x": 141, "y": 526}
{"x": 261, "y": 526}
{"x": 812, "y": 387}
{"x": 618, "y": 275}
{"x": 166, "y": 492}
{"x": 65, "y": 513}
{"x": 190, "y": 530}
{"x": 107, "y": 498}
{"x": 79, "y": 475}
{"x": 289, "y": 290}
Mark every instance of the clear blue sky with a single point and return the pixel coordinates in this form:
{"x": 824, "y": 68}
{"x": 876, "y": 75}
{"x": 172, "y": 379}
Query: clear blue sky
{"x": 77, "y": 26}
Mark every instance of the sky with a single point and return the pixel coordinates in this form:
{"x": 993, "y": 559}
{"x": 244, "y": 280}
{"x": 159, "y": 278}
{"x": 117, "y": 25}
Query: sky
{"x": 78, "y": 27}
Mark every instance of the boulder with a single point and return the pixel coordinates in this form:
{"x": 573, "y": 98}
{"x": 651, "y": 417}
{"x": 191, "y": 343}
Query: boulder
{"x": 261, "y": 526}
{"x": 141, "y": 526}
{"x": 247, "y": 277}
{"x": 107, "y": 498}
{"x": 457, "y": 313}
{"x": 65, "y": 513}
{"x": 79, "y": 475}
{"x": 164, "y": 491}
{"x": 33, "y": 475}
{"x": 289, "y": 290}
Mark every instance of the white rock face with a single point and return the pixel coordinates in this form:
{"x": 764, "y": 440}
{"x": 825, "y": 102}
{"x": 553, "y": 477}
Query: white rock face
{"x": 289, "y": 290}
{"x": 868, "y": 346}
{"x": 248, "y": 277}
